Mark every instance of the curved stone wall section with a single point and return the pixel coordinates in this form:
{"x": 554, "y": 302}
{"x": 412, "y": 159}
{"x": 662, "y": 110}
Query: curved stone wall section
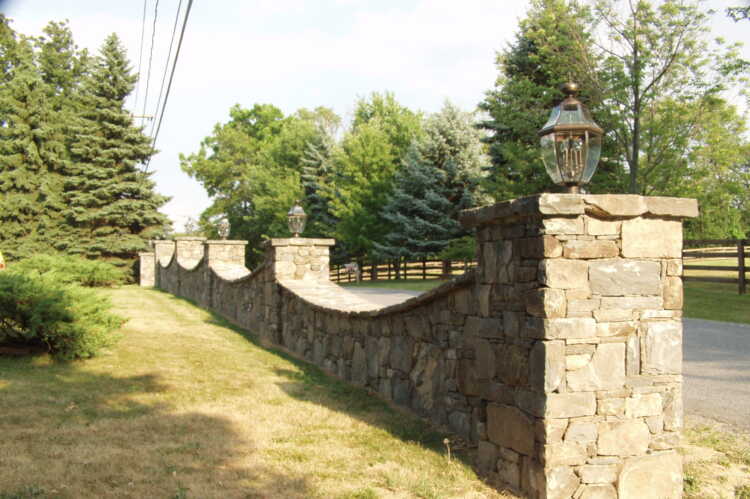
{"x": 559, "y": 357}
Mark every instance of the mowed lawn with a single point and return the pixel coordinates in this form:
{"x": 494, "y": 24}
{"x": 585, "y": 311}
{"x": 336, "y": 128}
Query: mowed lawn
{"x": 184, "y": 406}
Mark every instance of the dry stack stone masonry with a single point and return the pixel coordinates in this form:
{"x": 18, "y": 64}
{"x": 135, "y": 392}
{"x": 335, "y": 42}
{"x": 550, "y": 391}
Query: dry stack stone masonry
{"x": 559, "y": 357}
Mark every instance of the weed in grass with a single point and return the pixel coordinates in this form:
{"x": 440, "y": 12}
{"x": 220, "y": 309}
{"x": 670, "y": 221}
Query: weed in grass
{"x": 693, "y": 479}
{"x": 742, "y": 492}
{"x": 28, "y": 492}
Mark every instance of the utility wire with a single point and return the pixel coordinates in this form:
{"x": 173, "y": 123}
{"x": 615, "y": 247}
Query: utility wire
{"x": 140, "y": 56}
{"x": 166, "y": 66}
{"x": 171, "y": 77}
{"x": 151, "y": 56}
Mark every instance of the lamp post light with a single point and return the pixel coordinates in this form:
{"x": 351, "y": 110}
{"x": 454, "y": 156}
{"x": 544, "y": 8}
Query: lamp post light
{"x": 571, "y": 142}
{"x": 296, "y": 219}
{"x": 223, "y": 228}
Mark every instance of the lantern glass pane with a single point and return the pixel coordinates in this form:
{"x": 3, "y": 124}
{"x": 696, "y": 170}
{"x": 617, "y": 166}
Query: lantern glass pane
{"x": 592, "y": 158}
{"x": 297, "y": 224}
{"x": 571, "y": 155}
{"x": 549, "y": 157}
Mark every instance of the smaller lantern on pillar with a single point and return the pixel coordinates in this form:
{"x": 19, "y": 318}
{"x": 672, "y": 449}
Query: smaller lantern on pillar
{"x": 223, "y": 228}
{"x": 571, "y": 142}
{"x": 297, "y": 219}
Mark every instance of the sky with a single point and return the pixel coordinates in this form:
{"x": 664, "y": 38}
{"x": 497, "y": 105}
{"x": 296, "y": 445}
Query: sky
{"x": 294, "y": 54}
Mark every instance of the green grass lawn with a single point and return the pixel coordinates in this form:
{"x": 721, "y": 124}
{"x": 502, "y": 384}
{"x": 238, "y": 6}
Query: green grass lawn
{"x": 186, "y": 406}
{"x": 713, "y": 301}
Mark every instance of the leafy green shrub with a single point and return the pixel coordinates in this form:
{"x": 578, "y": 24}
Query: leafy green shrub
{"x": 70, "y": 322}
{"x": 67, "y": 269}
{"x": 464, "y": 248}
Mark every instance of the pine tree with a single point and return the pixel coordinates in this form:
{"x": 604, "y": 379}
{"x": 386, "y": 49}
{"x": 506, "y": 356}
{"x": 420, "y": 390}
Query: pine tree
{"x": 416, "y": 209}
{"x": 112, "y": 207}
{"x": 316, "y": 169}
{"x": 439, "y": 179}
{"x": 31, "y": 148}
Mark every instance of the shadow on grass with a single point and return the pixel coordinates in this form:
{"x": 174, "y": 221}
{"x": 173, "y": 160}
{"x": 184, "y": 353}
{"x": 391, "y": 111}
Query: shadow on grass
{"x": 69, "y": 433}
{"x": 313, "y": 384}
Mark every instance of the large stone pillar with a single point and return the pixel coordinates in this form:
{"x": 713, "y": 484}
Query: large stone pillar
{"x": 226, "y": 253}
{"x": 300, "y": 258}
{"x": 189, "y": 250}
{"x": 580, "y": 365}
{"x": 147, "y": 267}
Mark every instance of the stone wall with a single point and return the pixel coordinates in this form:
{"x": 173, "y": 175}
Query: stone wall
{"x": 559, "y": 357}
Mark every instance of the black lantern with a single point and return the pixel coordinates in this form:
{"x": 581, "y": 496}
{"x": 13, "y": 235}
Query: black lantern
{"x": 571, "y": 142}
{"x": 297, "y": 219}
{"x": 223, "y": 228}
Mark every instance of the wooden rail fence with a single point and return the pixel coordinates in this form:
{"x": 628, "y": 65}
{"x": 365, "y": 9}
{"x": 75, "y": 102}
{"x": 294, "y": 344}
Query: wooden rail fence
{"x": 417, "y": 269}
{"x": 695, "y": 249}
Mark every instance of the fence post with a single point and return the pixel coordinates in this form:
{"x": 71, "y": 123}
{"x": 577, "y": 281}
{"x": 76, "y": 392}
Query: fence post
{"x": 338, "y": 273}
{"x": 742, "y": 284}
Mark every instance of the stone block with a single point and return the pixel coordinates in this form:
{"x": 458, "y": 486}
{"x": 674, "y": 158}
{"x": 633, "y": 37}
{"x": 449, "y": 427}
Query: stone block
{"x": 359, "y": 365}
{"x": 485, "y": 293}
{"x": 673, "y": 411}
{"x": 639, "y": 406}
{"x": 614, "y": 329}
{"x": 674, "y": 267}
{"x": 565, "y": 453}
{"x": 581, "y": 431}
{"x": 672, "y": 207}
{"x": 631, "y": 302}
{"x": 613, "y": 315}
{"x": 598, "y": 491}
{"x": 570, "y": 327}
{"x": 633, "y": 356}
{"x": 650, "y": 238}
{"x": 615, "y": 205}
{"x": 573, "y": 362}
{"x": 560, "y": 204}
{"x": 547, "y": 365}
{"x": 563, "y": 273}
{"x": 551, "y": 430}
{"x": 672, "y": 293}
{"x": 590, "y": 249}
{"x": 563, "y": 225}
{"x": 485, "y": 356}
{"x": 486, "y": 456}
{"x": 657, "y": 475}
{"x": 560, "y": 482}
{"x": 624, "y": 277}
{"x": 509, "y": 473}
{"x": 661, "y": 348}
{"x": 598, "y": 473}
{"x": 513, "y": 368}
{"x": 606, "y": 371}
{"x": 540, "y": 247}
{"x": 597, "y": 227}
{"x": 509, "y": 427}
{"x": 623, "y": 438}
{"x": 545, "y": 302}
{"x": 570, "y": 405}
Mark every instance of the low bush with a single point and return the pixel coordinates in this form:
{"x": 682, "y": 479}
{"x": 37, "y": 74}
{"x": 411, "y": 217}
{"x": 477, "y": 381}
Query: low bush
{"x": 67, "y": 269}
{"x": 68, "y": 321}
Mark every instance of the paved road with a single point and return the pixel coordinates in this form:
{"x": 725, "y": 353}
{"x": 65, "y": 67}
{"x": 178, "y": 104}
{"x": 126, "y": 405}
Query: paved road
{"x": 717, "y": 370}
{"x": 716, "y": 363}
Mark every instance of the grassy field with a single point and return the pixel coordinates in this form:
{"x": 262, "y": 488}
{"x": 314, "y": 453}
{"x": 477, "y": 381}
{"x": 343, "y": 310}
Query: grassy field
{"x": 185, "y": 406}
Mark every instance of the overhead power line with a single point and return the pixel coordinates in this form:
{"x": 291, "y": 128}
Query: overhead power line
{"x": 140, "y": 55}
{"x": 171, "y": 78}
{"x": 151, "y": 55}
{"x": 166, "y": 66}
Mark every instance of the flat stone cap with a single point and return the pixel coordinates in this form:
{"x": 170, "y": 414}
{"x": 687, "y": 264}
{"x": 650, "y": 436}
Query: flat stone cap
{"x": 301, "y": 241}
{"x": 600, "y": 205}
{"x": 226, "y": 241}
{"x": 146, "y": 253}
{"x": 189, "y": 238}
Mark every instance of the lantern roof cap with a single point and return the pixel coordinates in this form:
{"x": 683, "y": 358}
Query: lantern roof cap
{"x": 296, "y": 210}
{"x": 570, "y": 115}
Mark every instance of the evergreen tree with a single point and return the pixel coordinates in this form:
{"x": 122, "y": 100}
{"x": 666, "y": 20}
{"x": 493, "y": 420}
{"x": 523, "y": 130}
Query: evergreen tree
{"x": 112, "y": 207}
{"x": 417, "y": 210}
{"x": 317, "y": 167}
{"x": 31, "y": 149}
{"x": 439, "y": 179}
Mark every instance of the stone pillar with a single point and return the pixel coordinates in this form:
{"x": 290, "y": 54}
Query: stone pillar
{"x": 163, "y": 251}
{"x": 580, "y": 362}
{"x": 147, "y": 265}
{"x": 226, "y": 253}
{"x": 189, "y": 250}
{"x": 300, "y": 258}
